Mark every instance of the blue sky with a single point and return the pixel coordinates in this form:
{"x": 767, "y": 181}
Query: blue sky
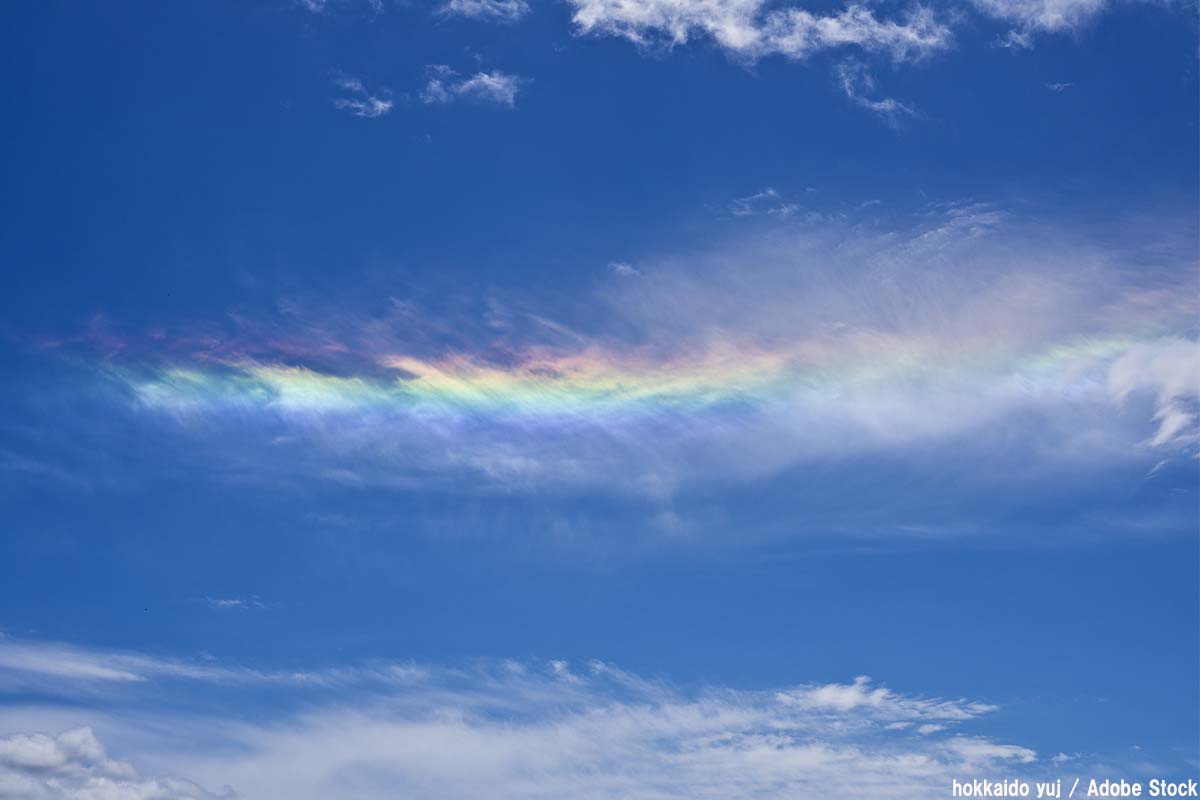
{"x": 584, "y": 398}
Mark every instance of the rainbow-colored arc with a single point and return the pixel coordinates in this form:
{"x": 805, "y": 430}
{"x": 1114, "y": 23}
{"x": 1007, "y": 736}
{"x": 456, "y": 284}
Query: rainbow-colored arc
{"x": 599, "y": 382}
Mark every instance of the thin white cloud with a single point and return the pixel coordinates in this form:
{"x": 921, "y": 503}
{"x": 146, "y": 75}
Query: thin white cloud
{"x": 349, "y": 83}
{"x": 445, "y": 85}
{"x": 509, "y": 730}
{"x": 856, "y": 80}
{"x": 624, "y": 269}
{"x": 358, "y": 101}
{"x": 36, "y": 468}
{"x": 751, "y": 30}
{"x": 496, "y": 10}
{"x": 321, "y": 6}
{"x": 56, "y": 668}
{"x": 1059, "y": 87}
{"x": 68, "y": 663}
{"x": 368, "y": 107}
{"x": 229, "y": 603}
{"x": 764, "y": 201}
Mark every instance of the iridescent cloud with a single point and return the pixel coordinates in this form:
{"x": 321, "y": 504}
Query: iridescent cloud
{"x": 730, "y": 364}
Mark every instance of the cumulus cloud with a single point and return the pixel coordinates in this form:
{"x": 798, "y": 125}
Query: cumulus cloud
{"x": 498, "y": 10}
{"x": 750, "y": 29}
{"x": 506, "y": 729}
{"x": 445, "y": 85}
{"x": 74, "y": 766}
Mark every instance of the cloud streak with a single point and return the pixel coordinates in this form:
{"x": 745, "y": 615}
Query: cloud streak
{"x": 55, "y": 668}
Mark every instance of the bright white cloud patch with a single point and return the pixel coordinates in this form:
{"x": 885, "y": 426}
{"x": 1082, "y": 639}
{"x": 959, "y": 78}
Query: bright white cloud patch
{"x": 507, "y": 730}
{"x": 750, "y": 29}
{"x": 445, "y": 85}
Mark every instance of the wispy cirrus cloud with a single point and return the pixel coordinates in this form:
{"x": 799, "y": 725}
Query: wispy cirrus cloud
{"x": 858, "y": 84}
{"x": 765, "y": 201}
{"x": 358, "y": 101}
{"x": 493, "y": 10}
{"x": 445, "y": 86}
{"x": 1168, "y": 369}
{"x": 505, "y": 729}
{"x": 1031, "y": 17}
